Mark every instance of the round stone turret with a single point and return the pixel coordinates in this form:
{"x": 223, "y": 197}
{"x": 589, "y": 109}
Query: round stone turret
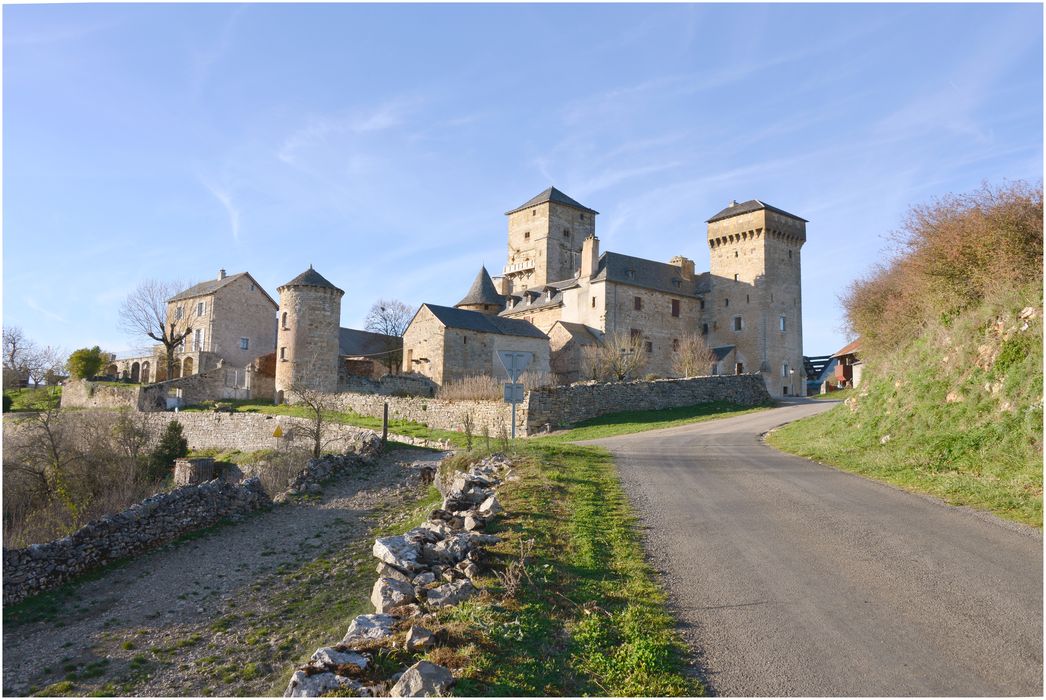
{"x": 307, "y": 334}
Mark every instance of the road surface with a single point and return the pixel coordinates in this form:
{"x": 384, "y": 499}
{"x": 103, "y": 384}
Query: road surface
{"x": 792, "y": 578}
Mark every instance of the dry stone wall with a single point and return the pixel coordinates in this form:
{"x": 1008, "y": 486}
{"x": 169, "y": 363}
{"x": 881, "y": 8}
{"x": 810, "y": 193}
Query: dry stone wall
{"x": 435, "y": 413}
{"x": 154, "y": 521}
{"x": 563, "y": 406}
{"x": 248, "y": 432}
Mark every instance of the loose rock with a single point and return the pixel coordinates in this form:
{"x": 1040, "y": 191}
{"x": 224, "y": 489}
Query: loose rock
{"x": 423, "y": 679}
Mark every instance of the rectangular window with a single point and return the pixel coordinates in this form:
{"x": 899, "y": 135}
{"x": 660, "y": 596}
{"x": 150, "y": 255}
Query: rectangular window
{"x": 704, "y": 329}
{"x": 197, "y": 340}
{"x": 783, "y": 323}
{"x": 675, "y": 308}
{"x": 675, "y": 344}
{"x": 526, "y": 235}
{"x": 735, "y": 277}
{"x": 649, "y": 346}
{"x": 177, "y": 313}
{"x": 635, "y": 333}
{"x": 638, "y": 303}
{"x": 738, "y": 323}
{"x": 283, "y": 354}
{"x": 702, "y": 303}
{"x": 784, "y": 370}
{"x": 199, "y": 308}
{"x": 593, "y": 302}
{"x": 245, "y": 343}
{"x": 739, "y": 368}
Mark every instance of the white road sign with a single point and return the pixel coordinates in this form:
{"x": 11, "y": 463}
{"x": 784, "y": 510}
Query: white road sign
{"x": 515, "y": 362}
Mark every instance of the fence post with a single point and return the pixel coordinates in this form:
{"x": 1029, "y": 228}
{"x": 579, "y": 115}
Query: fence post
{"x": 385, "y": 425}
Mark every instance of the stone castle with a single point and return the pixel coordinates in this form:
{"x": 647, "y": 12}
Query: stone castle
{"x": 557, "y": 297}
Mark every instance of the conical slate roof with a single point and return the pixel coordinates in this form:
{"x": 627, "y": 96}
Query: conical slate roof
{"x": 310, "y": 278}
{"x": 482, "y": 291}
{"x": 552, "y": 195}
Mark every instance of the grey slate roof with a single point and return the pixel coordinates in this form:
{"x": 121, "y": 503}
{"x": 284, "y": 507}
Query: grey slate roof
{"x": 747, "y": 208}
{"x": 310, "y": 278}
{"x": 483, "y": 323}
{"x": 537, "y": 298}
{"x": 581, "y": 333}
{"x": 649, "y": 274}
{"x": 722, "y": 352}
{"x": 205, "y": 288}
{"x": 212, "y": 286}
{"x": 354, "y": 343}
{"x": 482, "y": 291}
{"x": 551, "y": 195}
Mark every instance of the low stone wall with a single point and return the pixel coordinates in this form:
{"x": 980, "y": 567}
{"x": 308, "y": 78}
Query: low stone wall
{"x": 154, "y": 521}
{"x": 436, "y": 413}
{"x": 390, "y": 385}
{"x": 77, "y": 393}
{"x": 563, "y": 406}
{"x": 248, "y": 432}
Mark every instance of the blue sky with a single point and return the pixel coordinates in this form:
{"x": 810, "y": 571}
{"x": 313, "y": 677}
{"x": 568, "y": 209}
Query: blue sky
{"x": 382, "y": 143}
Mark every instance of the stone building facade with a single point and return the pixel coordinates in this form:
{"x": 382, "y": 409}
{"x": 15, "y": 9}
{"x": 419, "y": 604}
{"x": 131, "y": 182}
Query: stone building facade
{"x": 447, "y": 344}
{"x": 231, "y": 321}
{"x": 747, "y": 308}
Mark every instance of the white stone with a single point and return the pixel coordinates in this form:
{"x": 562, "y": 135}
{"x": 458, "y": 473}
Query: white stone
{"x": 369, "y": 627}
{"x": 450, "y": 593}
{"x": 491, "y": 506}
{"x": 303, "y": 685}
{"x": 389, "y": 593}
{"x": 423, "y": 679}
{"x": 397, "y": 551}
{"x": 329, "y": 656}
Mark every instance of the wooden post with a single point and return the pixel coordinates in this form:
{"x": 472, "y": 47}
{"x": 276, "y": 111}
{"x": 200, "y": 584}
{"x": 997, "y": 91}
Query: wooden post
{"x": 385, "y": 425}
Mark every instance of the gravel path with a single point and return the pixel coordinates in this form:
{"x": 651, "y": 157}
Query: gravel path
{"x": 791, "y": 578}
{"x": 167, "y": 623}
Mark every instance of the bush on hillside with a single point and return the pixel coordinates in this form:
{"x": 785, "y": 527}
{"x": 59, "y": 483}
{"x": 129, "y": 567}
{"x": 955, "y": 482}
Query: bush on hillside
{"x": 952, "y": 254}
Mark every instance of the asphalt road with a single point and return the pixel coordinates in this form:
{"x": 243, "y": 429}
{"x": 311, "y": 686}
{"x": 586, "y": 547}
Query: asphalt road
{"x": 792, "y": 578}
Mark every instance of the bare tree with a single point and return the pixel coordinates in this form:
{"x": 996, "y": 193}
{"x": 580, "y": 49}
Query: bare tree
{"x": 621, "y": 356}
{"x": 307, "y": 390}
{"x": 693, "y": 358}
{"x": 144, "y": 313}
{"x": 390, "y": 317}
{"x": 25, "y": 360}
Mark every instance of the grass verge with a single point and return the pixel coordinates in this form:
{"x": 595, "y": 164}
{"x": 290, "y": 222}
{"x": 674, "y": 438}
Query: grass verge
{"x": 576, "y": 610}
{"x": 639, "y": 421}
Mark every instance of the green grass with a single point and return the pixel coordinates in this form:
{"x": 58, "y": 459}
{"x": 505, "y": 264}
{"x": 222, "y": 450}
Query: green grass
{"x": 32, "y": 399}
{"x": 638, "y": 421}
{"x": 840, "y": 395}
{"x": 399, "y": 427}
{"x": 941, "y": 417}
{"x": 588, "y": 617}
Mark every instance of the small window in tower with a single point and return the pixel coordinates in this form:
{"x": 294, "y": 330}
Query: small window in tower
{"x": 244, "y": 343}
{"x": 283, "y": 354}
{"x": 783, "y": 321}
{"x": 735, "y": 253}
{"x": 675, "y": 344}
{"x": 464, "y": 340}
{"x": 649, "y": 346}
{"x": 726, "y": 302}
{"x": 737, "y": 277}
{"x": 748, "y": 298}
{"x": 284, "y": 320}
{"x": 789, "y": 255}
{"x": 704, "y": 329}
{"x": 738, "y": 323}
{"x": 593, "y": 302}
{"x": 526, "y": 235}
{"x": 675, "y": 308}
{"x": 533, "y": 212}
{"x": 638, "y": 303}
{"x": 739, "y": 368}
{"x": 784, "y": 369}
{"x": 566, "y": 233}
{"x": 702, "y": 303}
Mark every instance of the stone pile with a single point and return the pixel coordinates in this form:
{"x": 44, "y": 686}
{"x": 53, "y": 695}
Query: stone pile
{"x": 319, "y": 469}
{"x": 430, "y": 567}
{"x": 156, "y": 520}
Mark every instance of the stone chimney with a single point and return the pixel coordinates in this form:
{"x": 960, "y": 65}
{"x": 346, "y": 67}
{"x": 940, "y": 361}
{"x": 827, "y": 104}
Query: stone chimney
{"x": 685, "y": 265}
{"x": 733, "y": 203}
{"x": 221, "y": 274}
{"x": 589, "y": 256}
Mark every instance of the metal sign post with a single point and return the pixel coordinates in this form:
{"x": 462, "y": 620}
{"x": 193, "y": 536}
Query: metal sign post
{"x": 514, "y": 362}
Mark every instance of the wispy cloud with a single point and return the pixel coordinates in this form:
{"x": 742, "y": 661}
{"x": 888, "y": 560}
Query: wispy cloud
{"x": 32, "y": 304}
{"x": 224, "y": 197}
{"x": 203, "y": 60}
{"x": 321, "y": 129}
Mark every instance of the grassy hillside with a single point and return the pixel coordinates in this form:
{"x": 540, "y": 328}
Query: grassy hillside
{"x": 951, "y": 329}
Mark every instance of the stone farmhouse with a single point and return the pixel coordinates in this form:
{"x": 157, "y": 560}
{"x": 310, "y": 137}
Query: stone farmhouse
{"x": 747, "y": 307}
{"x": 232, "y": 320}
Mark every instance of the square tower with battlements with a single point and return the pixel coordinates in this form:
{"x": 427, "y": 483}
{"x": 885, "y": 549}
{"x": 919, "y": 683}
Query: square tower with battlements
{"x": 545, "y": 237}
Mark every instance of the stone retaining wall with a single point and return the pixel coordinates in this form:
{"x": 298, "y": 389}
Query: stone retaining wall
{"x": 146, "y": 525}
{"x": 248, "y": 432}
{"x": 84, "y": 394}
{"x": 436, "y": 413}
{"x": 564, "y": 406}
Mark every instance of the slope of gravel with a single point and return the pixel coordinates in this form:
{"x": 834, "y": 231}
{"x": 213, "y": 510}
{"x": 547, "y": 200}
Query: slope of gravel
{"x": 213, "y": 614}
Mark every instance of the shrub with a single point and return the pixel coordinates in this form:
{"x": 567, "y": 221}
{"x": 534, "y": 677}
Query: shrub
{"x": 85, "y": 363}
{"x": 172, "y": 445}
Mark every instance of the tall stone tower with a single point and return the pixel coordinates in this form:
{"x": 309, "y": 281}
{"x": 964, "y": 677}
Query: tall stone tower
{"x": 307, "y": 333}
{"x": 756, "y": 298}
{"x": 544, "y": 240}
